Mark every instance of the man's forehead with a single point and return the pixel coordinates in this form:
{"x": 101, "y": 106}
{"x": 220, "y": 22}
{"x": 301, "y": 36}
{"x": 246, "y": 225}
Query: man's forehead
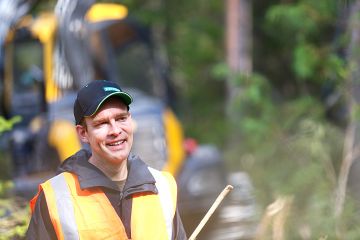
{"x": 111, "y": 109}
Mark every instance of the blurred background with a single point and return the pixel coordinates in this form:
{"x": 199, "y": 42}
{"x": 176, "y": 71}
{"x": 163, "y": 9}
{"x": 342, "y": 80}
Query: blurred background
{"x": 260, "y": 94}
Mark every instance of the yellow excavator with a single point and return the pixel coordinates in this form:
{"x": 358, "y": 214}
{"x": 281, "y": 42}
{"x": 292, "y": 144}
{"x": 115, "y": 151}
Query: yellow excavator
{"x": 38, "y": 86}
{"x": 45, "y": 59}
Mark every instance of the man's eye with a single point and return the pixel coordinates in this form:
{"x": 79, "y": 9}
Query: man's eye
{"x": 99, "y": 124}
{"x": 122, "y": 118}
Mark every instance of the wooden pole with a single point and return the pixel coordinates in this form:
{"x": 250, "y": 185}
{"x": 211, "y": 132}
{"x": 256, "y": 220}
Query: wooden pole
{"x": 207, "y": 216}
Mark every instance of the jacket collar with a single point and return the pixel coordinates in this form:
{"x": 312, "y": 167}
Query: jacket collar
{"x": 139, "y": 178}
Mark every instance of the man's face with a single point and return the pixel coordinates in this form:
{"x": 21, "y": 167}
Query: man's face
{"x": 109, "y": 132}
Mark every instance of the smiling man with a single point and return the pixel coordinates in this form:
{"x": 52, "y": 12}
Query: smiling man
{"x": 106, "y": 193}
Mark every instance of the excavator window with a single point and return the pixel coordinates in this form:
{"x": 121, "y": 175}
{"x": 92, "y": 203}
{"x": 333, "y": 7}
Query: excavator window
{"x": 136, "y": 70}
{"x": 126, "y": 56}
{"x": 27, "y": 82}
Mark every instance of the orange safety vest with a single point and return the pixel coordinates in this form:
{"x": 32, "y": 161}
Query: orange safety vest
{"x": 88, "y": 214}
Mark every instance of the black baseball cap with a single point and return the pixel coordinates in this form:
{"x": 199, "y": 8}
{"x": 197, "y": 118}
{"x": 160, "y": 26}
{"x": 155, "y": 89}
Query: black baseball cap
{"x": 93, "y": 95}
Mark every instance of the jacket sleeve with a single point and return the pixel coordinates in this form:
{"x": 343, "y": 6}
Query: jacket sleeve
{"x": 179, "y": 231}
{"x": 40, "y": 227}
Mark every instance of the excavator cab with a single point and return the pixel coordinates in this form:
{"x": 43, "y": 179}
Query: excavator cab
{"x": 29, "y": 91}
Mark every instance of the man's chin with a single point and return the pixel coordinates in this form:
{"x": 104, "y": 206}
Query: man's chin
{"x": 117, "y": 159}
{"x": 116, "y": 155}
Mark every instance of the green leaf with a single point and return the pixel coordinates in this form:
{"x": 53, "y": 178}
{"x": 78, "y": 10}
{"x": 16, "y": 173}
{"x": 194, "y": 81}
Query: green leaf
{"x": 6, "y": 125}
{"x": 306, "y": 60}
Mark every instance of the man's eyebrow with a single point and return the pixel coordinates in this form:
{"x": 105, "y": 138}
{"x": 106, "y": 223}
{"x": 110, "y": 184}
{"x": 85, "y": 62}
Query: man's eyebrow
{"x": 100, "y": 119}
{"x": 97, "y": 120}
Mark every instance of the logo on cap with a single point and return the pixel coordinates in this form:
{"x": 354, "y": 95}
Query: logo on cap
{"x": 108, "y": 89}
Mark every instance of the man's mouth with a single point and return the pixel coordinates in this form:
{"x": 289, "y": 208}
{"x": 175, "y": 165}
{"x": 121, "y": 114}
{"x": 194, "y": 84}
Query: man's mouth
{"x": 117, "y": 143}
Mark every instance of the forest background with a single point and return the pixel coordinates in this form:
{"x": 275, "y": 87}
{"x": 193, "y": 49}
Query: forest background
{"x": 291, "y": 120}
{"x": 287, "y": 123}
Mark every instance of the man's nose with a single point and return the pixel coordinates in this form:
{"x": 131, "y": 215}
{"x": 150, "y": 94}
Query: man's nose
{"x": 114, "y": 127}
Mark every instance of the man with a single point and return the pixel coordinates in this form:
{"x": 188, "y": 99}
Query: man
{"x": 108, "y": 193}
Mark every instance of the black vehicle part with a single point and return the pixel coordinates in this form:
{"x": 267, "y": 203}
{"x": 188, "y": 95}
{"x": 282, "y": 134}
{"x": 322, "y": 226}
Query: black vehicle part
{"x": 73, "y": 32}
{"x": 201, "y": 180}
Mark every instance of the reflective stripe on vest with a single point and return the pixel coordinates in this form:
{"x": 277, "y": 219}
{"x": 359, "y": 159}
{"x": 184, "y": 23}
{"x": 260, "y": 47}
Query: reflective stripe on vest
{"x": 167, "y": 197}
{"x": 88, "y": 214}
{"x": 156, "y": 226}
{"x": 63, "y": 201}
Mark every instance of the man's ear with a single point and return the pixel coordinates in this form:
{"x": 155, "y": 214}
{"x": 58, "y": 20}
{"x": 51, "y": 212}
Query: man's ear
{"x": 82, "y": 133}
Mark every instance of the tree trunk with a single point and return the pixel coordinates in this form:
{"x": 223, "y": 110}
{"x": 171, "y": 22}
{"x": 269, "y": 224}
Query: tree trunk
{"x": 238, "y": 44}
{"x": 349, "y": 175}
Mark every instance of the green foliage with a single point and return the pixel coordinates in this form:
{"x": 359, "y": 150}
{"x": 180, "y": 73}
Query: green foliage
{"x": 253, "y": 106}
{"x": 296, "y": 157}
{"x": 296, "y": 19}
{"x": 5, "y": 188}
{"x": 15, "y": 216}
{"x": 306, "y": 60}
{"x": 5, "y": 170}
{"x": 6, "y": 125}
{"x": 302, "y": 19}
{"x": 300, "y": 155}
{"x": 5, "y": 161}
{"x": 306, "y": 44}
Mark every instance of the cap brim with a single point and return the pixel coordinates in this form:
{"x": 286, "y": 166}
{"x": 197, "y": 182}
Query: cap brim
{"x": 125, "y": 97}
